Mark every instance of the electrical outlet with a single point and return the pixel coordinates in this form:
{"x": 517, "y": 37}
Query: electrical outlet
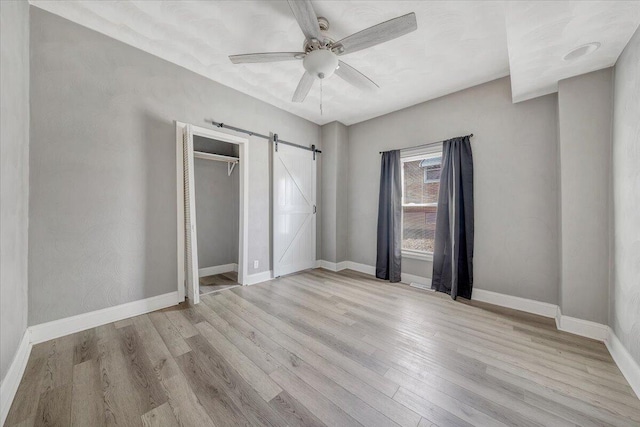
{"x": 256, "y": 263}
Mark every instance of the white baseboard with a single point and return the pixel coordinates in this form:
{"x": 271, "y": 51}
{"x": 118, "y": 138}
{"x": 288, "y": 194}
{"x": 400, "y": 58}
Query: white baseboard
{"x": 362, "y": 268}
{"x": 628, "y": 366}
{"x": 517, "y": 303}
{"x": 584, "y": 328}
{"x": 253, "y": 279}
{"x": 371, "y": 270}
{"x": 332, "y": 266}
{"x": 70, "y": 325}
{"x": 13, "y": 376}
{"x": 217, "y": 269}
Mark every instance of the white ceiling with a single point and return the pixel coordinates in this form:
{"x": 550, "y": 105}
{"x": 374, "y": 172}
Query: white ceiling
{"x": 458, "y": 44}
{"x": 539, "y": 34}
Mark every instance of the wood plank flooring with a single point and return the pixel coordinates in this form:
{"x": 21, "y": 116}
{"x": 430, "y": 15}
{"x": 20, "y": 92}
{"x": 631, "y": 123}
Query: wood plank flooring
{"x": 321, "y": 348}
{"x": 218, "y": 282}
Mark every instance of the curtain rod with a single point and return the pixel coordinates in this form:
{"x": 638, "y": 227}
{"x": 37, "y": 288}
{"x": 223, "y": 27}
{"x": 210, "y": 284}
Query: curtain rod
{"x": 276, "y": 140}
{"x": 430, "y": 143}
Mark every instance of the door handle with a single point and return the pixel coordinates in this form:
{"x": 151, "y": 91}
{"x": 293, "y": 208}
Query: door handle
{"x": 314, "y": 209}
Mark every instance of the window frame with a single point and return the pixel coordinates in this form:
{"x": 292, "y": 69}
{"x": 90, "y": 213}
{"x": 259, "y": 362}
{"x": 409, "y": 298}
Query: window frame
{"x": 411, "y": 156}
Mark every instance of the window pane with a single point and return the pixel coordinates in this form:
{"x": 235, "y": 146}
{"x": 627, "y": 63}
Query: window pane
{"x": 416, "y": 188}
{"x": 419, "y": 228}
{"x": 432, "y": 174}
{"x": 420, "y": 192}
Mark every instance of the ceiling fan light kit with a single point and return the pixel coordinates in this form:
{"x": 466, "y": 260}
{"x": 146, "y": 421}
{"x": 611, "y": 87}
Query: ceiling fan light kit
{"x": 321, "y": 63}
{"x": 320, "y": 56}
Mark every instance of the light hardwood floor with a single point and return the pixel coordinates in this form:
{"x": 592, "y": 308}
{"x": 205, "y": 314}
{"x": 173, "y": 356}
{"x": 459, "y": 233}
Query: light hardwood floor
{"x": 322, "y": 348}
{"x": 218, "y": 282}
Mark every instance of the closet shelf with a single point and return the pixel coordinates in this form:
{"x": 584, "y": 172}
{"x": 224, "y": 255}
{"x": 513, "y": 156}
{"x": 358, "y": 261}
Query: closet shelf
{"x": 231, "y": 161}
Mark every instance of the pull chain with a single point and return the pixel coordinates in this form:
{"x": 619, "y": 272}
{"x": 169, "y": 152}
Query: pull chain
{"x": 321, "y": 96}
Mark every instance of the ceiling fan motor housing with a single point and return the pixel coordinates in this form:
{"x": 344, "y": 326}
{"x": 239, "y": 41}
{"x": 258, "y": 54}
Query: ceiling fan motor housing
{"x": 325, "y": 42}
{"x": 323, "y": 23}
{"x": 321, "y": 63}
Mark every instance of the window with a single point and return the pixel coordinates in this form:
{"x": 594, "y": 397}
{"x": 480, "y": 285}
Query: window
{"x": 420, "y": 185}
{"x": 431, "y": 166}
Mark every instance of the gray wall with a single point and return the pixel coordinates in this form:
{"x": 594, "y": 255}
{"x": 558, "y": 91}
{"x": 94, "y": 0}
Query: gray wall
{"x": 14, "y": 176}
{"x": 335, "y": 172}
{"x": 217, "y": 208}
{"x": 516, "y": 202}
{"x": 625, "y": 298}
{"x": 584, "y": 111}
{"x": 103, "y": 181}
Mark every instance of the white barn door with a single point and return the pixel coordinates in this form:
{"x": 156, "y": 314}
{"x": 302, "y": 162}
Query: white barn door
{"x": 191, "y": 237}
{"x": 294, "y": 209}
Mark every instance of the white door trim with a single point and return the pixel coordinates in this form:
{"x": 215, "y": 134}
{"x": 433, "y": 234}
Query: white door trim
{"x": 180, "y": 209}
{"x": 243, "y": 170}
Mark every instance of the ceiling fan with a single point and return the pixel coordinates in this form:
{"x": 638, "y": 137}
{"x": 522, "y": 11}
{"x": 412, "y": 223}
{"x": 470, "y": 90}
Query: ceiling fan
{"x": 320, "y": 55}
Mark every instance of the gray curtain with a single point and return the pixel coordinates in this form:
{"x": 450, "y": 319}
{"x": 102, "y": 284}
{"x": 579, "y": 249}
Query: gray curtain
{"x": 389, "y": 258}
{"x": 453, "y": 252}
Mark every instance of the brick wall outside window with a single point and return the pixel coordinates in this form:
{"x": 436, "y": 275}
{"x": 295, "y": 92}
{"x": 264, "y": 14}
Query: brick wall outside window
{"x": 419, "y": 206}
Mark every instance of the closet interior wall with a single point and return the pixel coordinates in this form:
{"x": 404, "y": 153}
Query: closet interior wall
{"x": 217, "y": 204}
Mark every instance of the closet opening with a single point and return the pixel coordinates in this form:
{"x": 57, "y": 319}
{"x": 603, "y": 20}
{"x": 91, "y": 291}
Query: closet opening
{"x": 217, "y": 207}
{"x": 212, "y": 210}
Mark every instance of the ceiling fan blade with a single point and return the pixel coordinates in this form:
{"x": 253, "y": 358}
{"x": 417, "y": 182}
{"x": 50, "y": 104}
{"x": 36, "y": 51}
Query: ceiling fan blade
{"x": 380, "y": 33}
{"x": 250, "y": 58}
{"x": 355, "y": 77}
{"x": 303, "y": 87}
{"x": 307, "y": 18}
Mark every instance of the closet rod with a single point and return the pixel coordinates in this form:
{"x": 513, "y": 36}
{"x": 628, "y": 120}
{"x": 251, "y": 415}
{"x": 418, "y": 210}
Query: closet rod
{"x": 216, "y": 157}
{"x": 230, "y": 161}
{"x": 275, "y": 137}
